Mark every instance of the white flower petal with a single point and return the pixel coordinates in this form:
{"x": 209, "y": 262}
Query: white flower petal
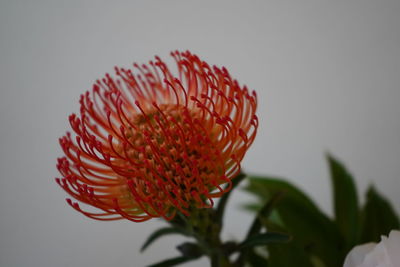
{"x": 378, "y": 256}
{"x": 357, "y": 255}
{"x": 393, "y": 247}
{"x": 384, "y": 254}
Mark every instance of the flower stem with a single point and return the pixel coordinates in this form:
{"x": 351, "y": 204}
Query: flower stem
{"x": 205, "y": 226}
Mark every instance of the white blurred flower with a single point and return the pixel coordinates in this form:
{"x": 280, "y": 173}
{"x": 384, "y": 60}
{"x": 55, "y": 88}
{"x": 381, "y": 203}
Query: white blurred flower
{"x": 384, "y": 254}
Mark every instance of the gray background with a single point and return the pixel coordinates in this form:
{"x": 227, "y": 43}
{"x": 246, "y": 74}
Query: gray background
{"x": 327, "y": 74}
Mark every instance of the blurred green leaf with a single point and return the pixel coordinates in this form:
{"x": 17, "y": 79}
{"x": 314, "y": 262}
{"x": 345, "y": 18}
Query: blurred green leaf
{"x": 179, "y": 221}
{"x": 224, "y": 199}
{"x": 263, "y": 214}
{"x": 288, "y": 255}
{"x": 378, "y": 217}
{"x": 264, "y": 187}
{"x": 161, "y": 232}
{"x": 255, "y": 260}
{"x": 254, "y": 207}
{"x": 345, "y": 203}
{"x": 313, "y": 232}
{"x": 172, "y": 262}
{"x": 264, "y": 239}
{"x": 190, "y": 250}
{"x": 255, "y": 228}
{"x": 316, "y": 262}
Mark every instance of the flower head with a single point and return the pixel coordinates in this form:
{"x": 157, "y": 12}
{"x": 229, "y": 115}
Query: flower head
{"x": 148, "y": 144}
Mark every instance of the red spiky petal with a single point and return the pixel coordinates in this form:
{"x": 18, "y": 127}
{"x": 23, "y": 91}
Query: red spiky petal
{"x": 148, "y": 144}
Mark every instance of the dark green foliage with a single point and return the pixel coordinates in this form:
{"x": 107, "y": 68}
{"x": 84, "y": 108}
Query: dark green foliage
{"x": 288, "y": 255}
{"x": 378, "y": 217}
{"x": 255, "y": 229}
{"x": 264, "y": 239}
{"x": 162, "y": 232}
{"x": 347, "y": 215}
{"x": 224, "y": 199}
{"x": 190, "y": 250}
{"x": 317, "y": 239}
{"x": 255, "y": 260}
{"x": 313, "y": 232}
{"x": 172, "y": 262}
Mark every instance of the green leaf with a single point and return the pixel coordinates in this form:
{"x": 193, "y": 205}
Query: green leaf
{"x": 161, "y": 232}
{"x": 312, "y": 231}
{"x": 379, "y": 218}
{"x": 263, "y": 214}
{"x": 253, "y": 207}
{"x": 224, "y": 199}
{"x": 190, "y": 250}
{"x": 255, "y": 260}
{"x": 172, "y": 262}
{"x": 264, "y": 187}
{"x": 288, "y": 255}
{"x": 345, "y": 203}
{"x": 264, "y": 239}
{"x": 179, "y": 221}
{"x": 256, "y": 226}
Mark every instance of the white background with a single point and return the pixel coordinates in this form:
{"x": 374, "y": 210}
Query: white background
{"x": 327, "y": 74}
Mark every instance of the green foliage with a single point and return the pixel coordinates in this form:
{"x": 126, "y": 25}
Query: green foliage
{"x": 318, "y": 240}
{"x": 313, "y": 232}
{"x": 172, "y": 262}
{"x": 255, "y": 260}
{"x": 264, "y": 239}
{"x": 224, "y": 199}
{"x": 162, "y": 232}
{"x": 253, "y": 233}
{"x": 345, "y": 203}
{"x": 190, "y": 250}
{"x": 378, "y": 217}
{"x": 288, "y": 255}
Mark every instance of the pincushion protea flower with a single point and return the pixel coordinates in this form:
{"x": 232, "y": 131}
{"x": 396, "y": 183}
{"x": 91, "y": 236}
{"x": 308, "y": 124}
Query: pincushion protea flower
{"x": 149, "y": 144}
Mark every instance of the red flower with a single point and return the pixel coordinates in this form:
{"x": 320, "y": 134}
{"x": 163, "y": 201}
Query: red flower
{"x": 148, "y": 144}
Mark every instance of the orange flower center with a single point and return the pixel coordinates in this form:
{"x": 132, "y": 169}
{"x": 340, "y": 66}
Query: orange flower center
{"x": 171, "y": 157}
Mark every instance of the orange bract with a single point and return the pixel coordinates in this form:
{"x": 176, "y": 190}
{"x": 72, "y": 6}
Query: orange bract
{"x": 148, "y": 143}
